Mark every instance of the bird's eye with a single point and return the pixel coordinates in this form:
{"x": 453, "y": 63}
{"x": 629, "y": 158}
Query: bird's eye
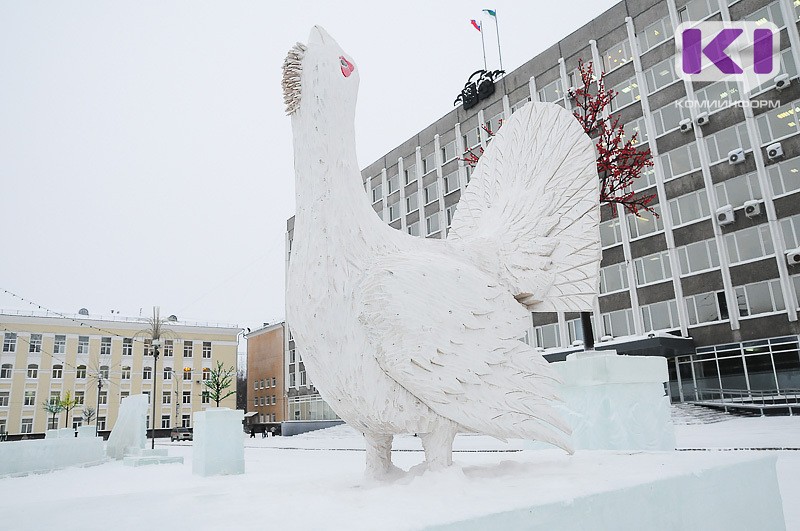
{"x": 343, "y": 62}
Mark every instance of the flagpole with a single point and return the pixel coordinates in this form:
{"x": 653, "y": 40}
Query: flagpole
{"x": 483, "y": 45}
{"x": 497, "y": 30}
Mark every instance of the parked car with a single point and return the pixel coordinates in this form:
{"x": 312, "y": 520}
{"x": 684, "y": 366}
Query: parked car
{"x": 180, "y": 434}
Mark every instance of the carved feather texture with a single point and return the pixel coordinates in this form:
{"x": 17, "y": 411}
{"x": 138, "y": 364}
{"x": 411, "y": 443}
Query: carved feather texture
{"x": 292, "y": 69}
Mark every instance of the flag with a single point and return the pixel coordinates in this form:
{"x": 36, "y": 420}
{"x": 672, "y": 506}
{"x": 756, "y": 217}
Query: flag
{"x": 491, "y": 12}
{"x": 476, "y": 24}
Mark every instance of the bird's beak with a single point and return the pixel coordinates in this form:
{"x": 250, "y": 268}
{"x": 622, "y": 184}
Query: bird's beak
{"x": 318, "y": 36}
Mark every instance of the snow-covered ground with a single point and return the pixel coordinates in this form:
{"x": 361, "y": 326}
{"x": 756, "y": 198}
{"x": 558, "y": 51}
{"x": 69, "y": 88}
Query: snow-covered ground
{"x": 314, "y": 481}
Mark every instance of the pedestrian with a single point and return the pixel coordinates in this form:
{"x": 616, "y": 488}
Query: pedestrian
{"x": 253, "y": 432}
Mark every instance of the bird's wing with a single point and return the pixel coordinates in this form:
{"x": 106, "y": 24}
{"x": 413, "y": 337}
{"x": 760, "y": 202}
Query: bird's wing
{"x": 450, "y": 334}
{"x": 534, "y": 200}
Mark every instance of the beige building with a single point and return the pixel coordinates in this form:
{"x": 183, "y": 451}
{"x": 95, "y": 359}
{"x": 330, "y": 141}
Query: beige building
{"x": 44, "y": 357}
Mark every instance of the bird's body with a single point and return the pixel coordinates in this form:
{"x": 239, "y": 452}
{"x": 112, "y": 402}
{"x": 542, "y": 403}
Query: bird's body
{"x": 408, "y": 335}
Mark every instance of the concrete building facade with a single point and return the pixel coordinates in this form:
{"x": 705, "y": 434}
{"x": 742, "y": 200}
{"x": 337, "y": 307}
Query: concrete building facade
{"x": 713, "y": 281}
{"x": 44, "y": 357}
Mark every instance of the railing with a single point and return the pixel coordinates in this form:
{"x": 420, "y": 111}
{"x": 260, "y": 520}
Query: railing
{"x": 744, "y": 397}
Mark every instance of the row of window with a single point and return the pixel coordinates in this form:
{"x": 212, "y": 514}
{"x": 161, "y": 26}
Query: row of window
{"x": 29, "y": 397}
{"x": 60, "y": 345}
{"x": 265, "y": 383}
{"x": 264, "y": 400}
{"x": 32, "y": 372}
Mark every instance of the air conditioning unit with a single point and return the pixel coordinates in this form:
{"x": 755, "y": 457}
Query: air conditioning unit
{"x": 736, "y": 156}
{"x": 752, "y": 208}
{"x": 725, "y": 215}
{"x": 775, "y": 150}
{"x": 686, "y": 125}
{"x": 702, "y": 118}
{"x": 782, "y": 82}
{"x": 793, "y": 256}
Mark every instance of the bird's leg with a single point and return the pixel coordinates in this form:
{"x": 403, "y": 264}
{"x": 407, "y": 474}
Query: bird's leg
{"x": 438, "y": 446}
{"x": 379, "y": 457}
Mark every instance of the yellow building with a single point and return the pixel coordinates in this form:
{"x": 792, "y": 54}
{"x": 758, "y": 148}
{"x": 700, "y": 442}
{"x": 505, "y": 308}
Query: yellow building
{"x": 44, "y": 357}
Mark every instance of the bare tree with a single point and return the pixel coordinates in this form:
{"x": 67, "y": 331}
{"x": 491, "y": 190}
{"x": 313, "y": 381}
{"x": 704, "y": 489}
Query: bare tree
{"x": 89, "y": 414}
{"x": 218, "y": 383}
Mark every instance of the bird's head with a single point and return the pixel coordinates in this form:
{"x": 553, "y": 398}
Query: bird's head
{"x": 319, "y": 73}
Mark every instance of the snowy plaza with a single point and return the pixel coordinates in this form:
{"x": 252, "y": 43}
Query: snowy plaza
{"x": 316, "y": 480}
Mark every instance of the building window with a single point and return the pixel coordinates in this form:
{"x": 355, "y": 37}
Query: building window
{"x": 717, "y": 96}
{"x": 303, "y": 381}
{"x": 30, "y": 398}
{"x": 394, "y": 211}
{"x": 187, "y": 397}
{"x": 791, "y": 231}
{"x": 55, "y": 397}
{"x": 627, "y": 93}
{"x": 274, "y": 401}
{"x": 35, "y": 344}
{"x": 393, "y": 184}
{"x": 127, "y": 346}
{"x": 778, "y": 123}
{"x": 449, "y": 151}
{"x": 721, "y": 143}
{"x": 645, "y": 223}
{"x": 206, "y": 374}
{"x": 635, "y": 127}
{"x": 472, "y": 138}
{"x": 451, "y": 182}
{"x": 552, "y": 92}
{"x": 652, "y": 268}
{"x": 785, "y": 176}
{"x": 292, "y": 381}
{"x": 697, "y": 10}
{"x": 255, "y": 385}
{"x": 449, "y": 212}
{"x": 58, "y": 371}
{"x": 186, "y": 421}
{"x": 261, "y": 400}
{"x": 4, "y": 398}
{"x": 165, "y": 421}
{"x": 689, "y": 207}
{"x": 706, "y": 307}
{"x": 660, "y": 315}
{"x": 759, "y": 297}
{"x": 698, "y": 256}
{"x": 613, "y": 278}
{"x": 83, "y": 344}
{"x": 103, "y": 398}
{"x": 147, "y": 373}
{"x": 668, "y": 118}
{"x": 207, "y": 350}
{"x": 26, "y": 426}
{"x": 77, "y": 422}
{"x": 547, "y": 336}
{"x": 274, "y": 382}
{"x": 204, "y": 398}
{"x": 6, "y": 370}
{"x": 255, "y": 402}
{"x": 787, "y": 66}
{"x": 123, "y": 395}
{"x": 680, "y": 161}
{"x": 10, "y": 342}
{"x": 618, "y": 323}
{"x": 377, "y": 189}
{"x": 431, "y": 193}
{"x": 105, "y": 346}
{"x": 80, "y": 372}
{"x": 166, "y": 397}
{"x": 60, "y": 345}
{"x": 52, "y": 423}
{"x": 432, "y": 223}
{"x": 104, "y": 372}
{"x": 292, "y": 356}
{"x": 428, "y": 164}
{"x": 610, "y": 233}
{"x": 169, "y": 348}
{"x": 168, "y": 373}
{"x": 187, "y": 349}
{"x": 770, "y": 13}
{"x": 645, "y": 180}
{"x": 412, "y": 202}
{"x": 752, "y": 243}
{"x": 410, "y": 173}
{"x": 33, "y": 371}
{"x": 736, "y": 191}
{"x": 617, "y": 55}
{"x": 187, "y": 373}
{"x": 520, "y": 104}
{"x": 79, "y": 396}
{"x": 413, "y": 228}
{"x": 655, "y": 34}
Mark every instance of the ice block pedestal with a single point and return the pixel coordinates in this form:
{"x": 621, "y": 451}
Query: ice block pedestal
{"x": 617, "y": 402}
{"x": 218, "y": 442}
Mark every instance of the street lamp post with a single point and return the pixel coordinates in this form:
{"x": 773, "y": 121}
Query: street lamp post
{"x": 156, "y": 344}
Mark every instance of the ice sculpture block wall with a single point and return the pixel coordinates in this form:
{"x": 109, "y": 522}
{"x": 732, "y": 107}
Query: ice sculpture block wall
{"x": 130, "y": 430}
{"x": 51, "y": 453}
{"x": 218, "y": 442}
{"x": 617, "y": 402}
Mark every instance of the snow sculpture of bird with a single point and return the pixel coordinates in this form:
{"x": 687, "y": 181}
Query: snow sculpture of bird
{"x": 403, "y": 334}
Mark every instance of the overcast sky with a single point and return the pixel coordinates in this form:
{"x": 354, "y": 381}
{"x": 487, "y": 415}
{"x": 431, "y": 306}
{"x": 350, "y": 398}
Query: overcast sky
{"x": 144, "y": 155}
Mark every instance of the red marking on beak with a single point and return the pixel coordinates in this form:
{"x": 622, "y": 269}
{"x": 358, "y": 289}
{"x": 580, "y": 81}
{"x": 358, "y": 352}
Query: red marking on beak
{"x": 347, "y": 66}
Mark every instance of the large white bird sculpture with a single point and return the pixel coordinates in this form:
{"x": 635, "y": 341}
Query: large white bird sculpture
{"x": 403, "y": 334}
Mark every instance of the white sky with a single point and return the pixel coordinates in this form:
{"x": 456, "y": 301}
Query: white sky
{"x": 144, "y": 155}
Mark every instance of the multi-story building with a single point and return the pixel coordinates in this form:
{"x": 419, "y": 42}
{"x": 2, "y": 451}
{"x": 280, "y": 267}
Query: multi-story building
{"x": 101, "y": 360}
{"x": 713, "y": 281}
{"x": 266, "y": 375}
